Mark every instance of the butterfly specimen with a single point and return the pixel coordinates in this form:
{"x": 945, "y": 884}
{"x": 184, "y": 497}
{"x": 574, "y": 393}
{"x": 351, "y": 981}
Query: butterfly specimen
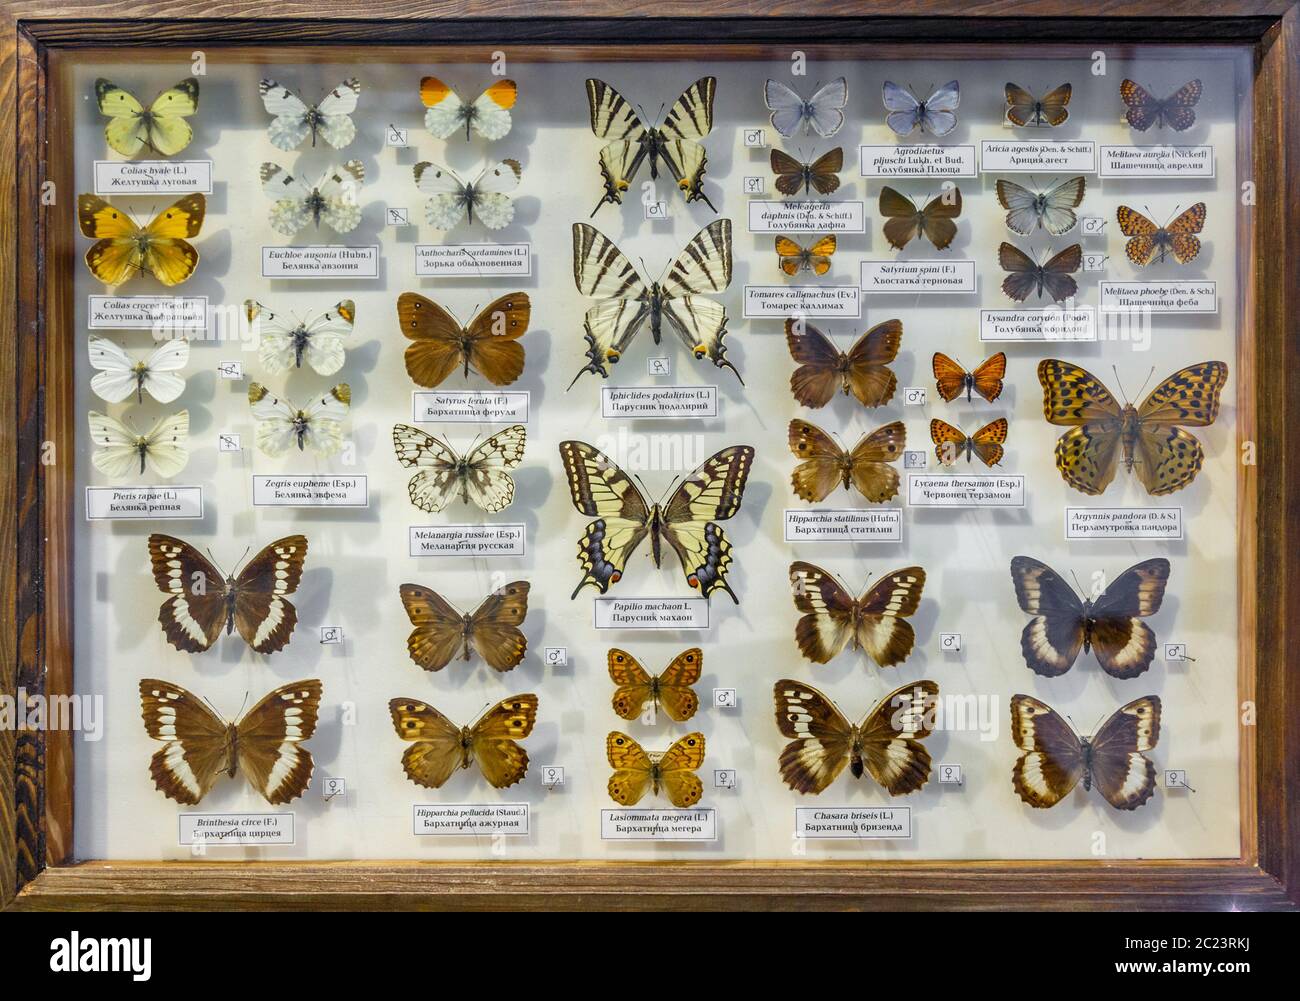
{"x": 118, "y": 375}
{"x": 266, "y": 745}
{"x": 876, "y": 622}
{"x": 827, "y": 465}
{"x": 488, "y": 114}
{"x": 1056, "y": 758}
{"x": 904, "y": 221}
{"x": 687, "y": 521}
{"x": 440, "y": 345}
{"x": 1051, "y": 210}
{"x": 951, "y": 443}
{"x": 637, "y": 770}
{"x": 451, "y": 198}
{"x": 863, "y": 370}
{"x": 934, "y": 114}
{"x": 1164, "y": 456}
{"x": 887, "y": 743}
{"x": 1026, "y": 276}
{"x": 1176, "y": 111}
{"x": 162, "y": 127}
{"x": 202, "y": 601}
{"x": 1025, "y": 109}
{"x": 293, "y": 121}
{"x": 441, "y": 630}
{"x": 479, "y": 475}
{"x": 670, "y": 690}
{"x": 122, "y": 452}
{"x": 822, "y": 174}
{"x": 794, "y": 257}
{"x": 282, "y": 424}
{"x": 952, "y": 380}
{"x": 631, "y": 142}
{"x": 602, "y": 272}
{"x": 822, "y": 113}
{"x": 1112, "y": 624}
{"x": 1151, "y": 244}
{"x": 440, "y": 747}
{"x": 332, "y": 200}
{"x": 283, "y": 342}
{"x": 122, "y": 249}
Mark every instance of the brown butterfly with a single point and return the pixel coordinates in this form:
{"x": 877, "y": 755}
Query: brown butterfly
{"x": 1025, "y": 109}
{"x": 1112, "y": 625}
{"x": 441, "y": 630}
{"x": 827, "y": 465}
{"x": 202, "y": 600}
{"x": 793, "y": 257}
{"x": 439, "y": 344}
{"x": 822, "y": 173}
{"x": 887, "y": 743}
{"x": 672, "y": 689}
{"x": 834, "y": 619}
{"x": 637, "y": 770}
{"x": 1145, "y": 109}
{"x": 1165, "y": 457}
{"x": 823, "y": 368}
{"x": 1056, "y": 758}
{"x": 440, "y": 747}
{"x": 953, "y": 380}
{"x": 1151, "y": 244}
{"x": 904, "y": 221}
{"x": 1025, "y": 276}
{"x": 951, "y": 443}
{"x": 266, "y": 745}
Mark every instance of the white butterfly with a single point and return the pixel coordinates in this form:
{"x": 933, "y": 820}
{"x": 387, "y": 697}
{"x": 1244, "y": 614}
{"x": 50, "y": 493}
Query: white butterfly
{"x": 333, "y": 200}
{"x": 122, "y": 452}
{"x": 119, "y": 375}
{"x": 294, "y": 120}
{"x": 282, "y": 424}
{"x": 933, "y": 115}
{"x": 1052, "y": 210}
{"x": 823, "y": 112}
{"x": 479, "y": 475}
{"x": 283, "y": 342}
{"x": 489, "y": 114}
{"x": 451, "y": 198}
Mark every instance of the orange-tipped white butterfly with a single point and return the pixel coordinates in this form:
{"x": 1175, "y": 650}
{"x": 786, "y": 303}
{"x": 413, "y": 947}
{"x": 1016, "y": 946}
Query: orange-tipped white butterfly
{"x": 488, "y": 114}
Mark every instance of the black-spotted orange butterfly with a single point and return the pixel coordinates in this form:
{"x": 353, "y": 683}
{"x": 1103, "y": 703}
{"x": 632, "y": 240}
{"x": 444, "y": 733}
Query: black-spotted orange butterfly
{"x": 951, "y": 443}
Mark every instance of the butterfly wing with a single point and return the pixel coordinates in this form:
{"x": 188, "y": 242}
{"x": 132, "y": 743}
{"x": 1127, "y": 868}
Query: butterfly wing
{"x": 439, "y": 627}
{"x": 600, "y": 490}
{"x": 632, "y": 769}
{"x": 163, "y": 129}
{"x": 160, "y": 380}
{"x": 691, "y": 116}
{"x": 435, "y": 350}
{"x": 197, "y": 744}
{"x": 703, "y": 266}
{"x": 263, "y": 615}
{"x": 118, "y": 454}
{"x": 492, "y": 739}
{"x": 438, "y": 481}
{"x": 937, "y": 219}
{"x": 448, "y": 200}
{"x": 492, "y": 189}
{"x": 1052, "y": 639}
{"x": 903, "y": 107}
{"x": 167, "y": 445}
{"x": 491, "y": 118}
{"x": 612, "y": 116}
{"x": 949, "y": 441}
{"x": 1177, "y": 109}
{"x": 676, "y": 694}
{"x": 1182, "y": 230}
{"x": 826, "y": 626}
{"x": 1022, "y": 109}
{"x": 1123, "y": 643}
{"x": 1058, "y": 215}
{"x": 1072, "y": 397}
{"x": 335, "y": 108}
{"x": 866, "y": 372}
{"x": 869, "y": 467}
{"x": 882, "y": 628}
{"x": 435, "y": 752}
{"x": 634, "y": 685}
{"x": 486, "y": 481}
{"x": 326, "y": 335}
{"x": 293, "y": 200}
{"x": 1053, "y": 760}
{"x": 789, "y": 172}
{"x": 890, "y": 737}
{"x": 711, "y": 494}
{"x": 787, "y": 107}
{"x": 115, "y": 255}
{"x": 987, "y": 441}
{"x": 1168, "y": 457}
{"x": 289, "y": 123}
{"x": 1056, "y": 273}
{"x": 270, "y": 737}
{"x": 1122, "y": 773}
{"x": 324, "y": 432}
{"x": 818, "y": 473}
{"x": 194, "y": 613}
{"x": 826, "y": 108}
{"x": 791, "y": 257}
{"x": 1142, "y": 247}
{"x": 988, "y": 376}
{"x": 937, "y": 118}
{"x": 949, "y": 377}
{"x": 1143, "y": 108}
{"x": 817, "y": 376}
{"x": 339, "y": 189}
{"x": 493, "y": 351}
{"x": 902, "y": 220}
{"x": 445, "y": 111}
{"x": 820, "y": 737}
{"x": 677, "y": 770}
{"x": 824, "y": 173}
{"x": 1023, "y": 215}
{"x": 126, "y": 130}
{"x": 115, "y": 377}
{"x": 167, "y": 254}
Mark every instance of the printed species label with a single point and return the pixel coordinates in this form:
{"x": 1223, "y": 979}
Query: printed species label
{"x": 660, "y": 402}
{"x": 467, "y": 540}
{"x": 856, "y": 822}
{"x": 470, "y": 406}
{"x": 474, "y": 260}
{"x": 651, "y": 613}
{"x": 659, "y": 825}
{"x": 843, "y": 525}
{"x": 236, "y": 829}
{"x": 1162, "y": 523}
{"x": 459, "y": 819}
{"x": 320, "y": 262}
{"x": 153, "y": 177}
{"x": 143, "y": 503}
{"x": 310, "y": 490}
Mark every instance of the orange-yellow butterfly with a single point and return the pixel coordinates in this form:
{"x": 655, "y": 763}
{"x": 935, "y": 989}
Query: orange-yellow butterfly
{"x": 122, "y": 249}
{"x": 637, "y": 770}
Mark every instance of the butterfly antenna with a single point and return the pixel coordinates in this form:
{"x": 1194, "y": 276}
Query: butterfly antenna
{"x": 1078, "y": 584}
{"x": 212, "y": 705}
{"x": 1148, "y": 379}
{"x": 242, "y": 558}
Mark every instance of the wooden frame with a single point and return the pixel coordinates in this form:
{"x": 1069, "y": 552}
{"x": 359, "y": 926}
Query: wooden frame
{"x": 36, "y": 867}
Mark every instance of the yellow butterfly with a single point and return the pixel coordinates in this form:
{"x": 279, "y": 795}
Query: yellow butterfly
{"x": 162, "y": 127}
{"x": 636, "y": 769}
{"x": 122, "y": 248}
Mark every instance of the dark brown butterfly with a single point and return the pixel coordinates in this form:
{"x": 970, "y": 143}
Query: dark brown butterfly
{"x": 1025, "y": 275}
{"x": 266, "y": 745}
{"x": 1151, "y": 244}
{"x": 862, "y": 370}
{"x": 794, "y": 257}
{"x": 904, "y": 221}
{"x": 441, "y": 630}
{"x": 1175, "y": 111}
{"x": 671, "y": 689}
{"x": 440, "y": 345}
{"x": 202, "y": 601}
{"x": 887, "y": 743}
{"x": 876, "y": 622}
{"x": 826, "y": 465}
{"x": 822, "y": 173}
{"x": 439, "y": 747}
{"x": 1025, "y": 109}
{"x": 1112, "y": 625}
{"x": 952, "y": 380}
{"x": 951, "y": 443}
{"x": 1056, "y": 758}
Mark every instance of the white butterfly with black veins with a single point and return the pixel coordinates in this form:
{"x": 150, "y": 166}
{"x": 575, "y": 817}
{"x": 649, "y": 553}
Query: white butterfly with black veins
{"x": 479, "y": 475}
{"x": 294, "y": 121}
{"x": 1052, "y": 210}
{"x": 118, "y": 374}
{"x": 282, "y": 424}
{"x": 451, "y": 199}
{"x": 284, "y": 342}
{"x": 822, "y": 113}
{"x": 934, "y": 115}
{"x": 122, "y": 452}
{"x": 602, "y": 272}
{"x": 332, "y": 200}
